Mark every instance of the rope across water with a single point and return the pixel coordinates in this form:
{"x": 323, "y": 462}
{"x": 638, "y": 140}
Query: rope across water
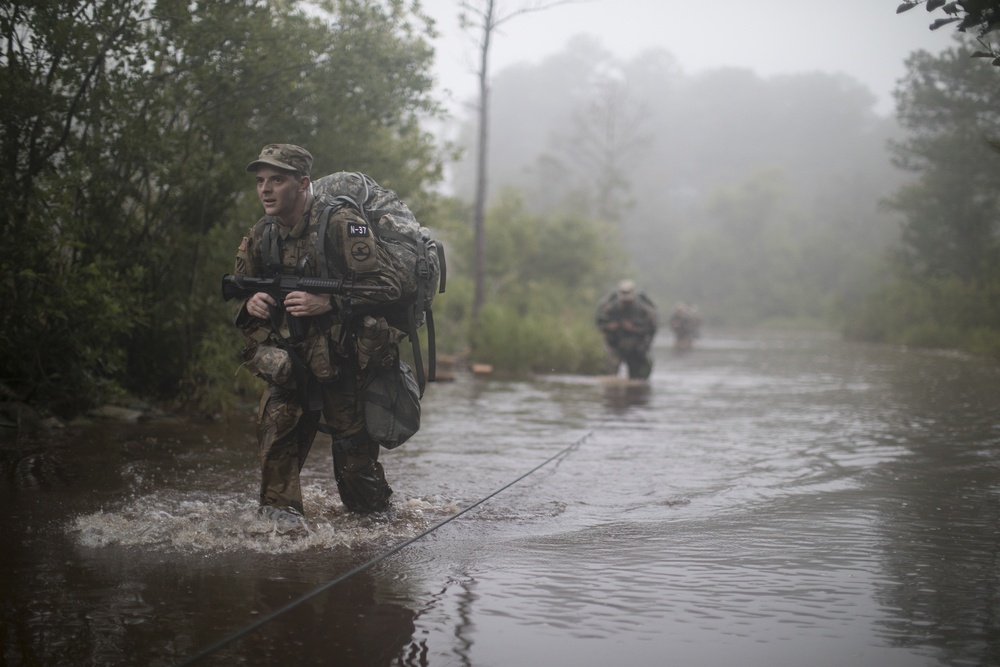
{"x": 374, "y": 561}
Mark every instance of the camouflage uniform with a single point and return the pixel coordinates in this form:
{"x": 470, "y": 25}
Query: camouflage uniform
{"x": 323, "y": 372}
{"x": 628, "y": 320}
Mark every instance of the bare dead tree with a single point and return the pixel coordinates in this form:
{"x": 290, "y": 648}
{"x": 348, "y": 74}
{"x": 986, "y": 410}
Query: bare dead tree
{"x": 486, "y": 17}
{"x": 604, "y": 135}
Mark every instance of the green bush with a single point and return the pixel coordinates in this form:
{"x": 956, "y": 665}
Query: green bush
{"x": 930, "y": 312}
{"x": 537, "y": 342}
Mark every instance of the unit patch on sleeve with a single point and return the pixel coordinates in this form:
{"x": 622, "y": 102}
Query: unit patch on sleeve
{"x": 355, "y": 230}
{"x": 361, "y": 252}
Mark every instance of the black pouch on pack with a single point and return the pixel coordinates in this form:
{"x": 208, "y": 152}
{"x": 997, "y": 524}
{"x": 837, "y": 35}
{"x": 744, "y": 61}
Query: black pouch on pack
{"x": 392, "y": 405}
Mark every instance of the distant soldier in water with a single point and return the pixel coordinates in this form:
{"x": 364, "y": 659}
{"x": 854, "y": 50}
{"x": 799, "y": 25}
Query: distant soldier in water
{"x": 685, "y": 322}
{"x": 628, "y": 320}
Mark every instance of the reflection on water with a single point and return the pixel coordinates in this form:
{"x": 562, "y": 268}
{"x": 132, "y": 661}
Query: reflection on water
{"x": 767, "y": 500}
{"x": 620, "y": 394}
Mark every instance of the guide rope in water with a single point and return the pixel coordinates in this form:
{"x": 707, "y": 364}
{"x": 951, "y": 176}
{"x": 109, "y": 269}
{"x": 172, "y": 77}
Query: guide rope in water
{"x": 374, "y": 561}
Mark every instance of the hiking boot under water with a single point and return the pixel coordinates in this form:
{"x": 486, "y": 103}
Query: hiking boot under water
{"x": 284, "y": 519}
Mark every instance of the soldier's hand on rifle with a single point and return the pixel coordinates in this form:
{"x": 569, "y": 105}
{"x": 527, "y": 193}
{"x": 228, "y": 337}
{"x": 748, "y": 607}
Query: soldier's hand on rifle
{"x": 258, "y": 303}
{"x": 303, "y": 304}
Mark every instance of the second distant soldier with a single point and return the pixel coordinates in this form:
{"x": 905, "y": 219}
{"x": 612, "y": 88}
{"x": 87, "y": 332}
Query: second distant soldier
{"x": 628, "y": 320}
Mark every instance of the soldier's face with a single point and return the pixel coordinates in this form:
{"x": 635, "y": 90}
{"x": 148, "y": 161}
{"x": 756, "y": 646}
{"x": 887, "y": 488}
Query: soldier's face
{"x": 279, "y": 192}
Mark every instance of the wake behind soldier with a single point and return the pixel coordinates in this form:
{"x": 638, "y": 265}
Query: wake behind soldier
{"x": 321, "y": 369}
{"x": 628, "y": 320}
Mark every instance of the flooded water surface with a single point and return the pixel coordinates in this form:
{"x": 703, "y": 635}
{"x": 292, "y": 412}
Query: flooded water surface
{"x": 763, "y": 500}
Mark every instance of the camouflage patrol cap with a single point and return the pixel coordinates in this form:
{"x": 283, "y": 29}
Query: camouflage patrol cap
{"x": 284, "y": 156}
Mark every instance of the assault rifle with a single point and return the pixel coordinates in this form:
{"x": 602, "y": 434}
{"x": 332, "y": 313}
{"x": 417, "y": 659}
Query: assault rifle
{"x": 279, "y": 286}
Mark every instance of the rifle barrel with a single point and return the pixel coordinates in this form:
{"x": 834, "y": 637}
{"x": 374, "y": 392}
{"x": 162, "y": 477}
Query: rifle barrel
{"x": 237, "y": 285}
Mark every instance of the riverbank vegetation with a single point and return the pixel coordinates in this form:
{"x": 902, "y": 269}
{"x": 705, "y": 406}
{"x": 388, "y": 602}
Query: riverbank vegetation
{"x": 126, "y": 128}
{"x": 942, "y": 284}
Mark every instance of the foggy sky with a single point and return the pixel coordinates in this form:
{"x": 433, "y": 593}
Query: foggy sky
{"x": 862, "y": 38}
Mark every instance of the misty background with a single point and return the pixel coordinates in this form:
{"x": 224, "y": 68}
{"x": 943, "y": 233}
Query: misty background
{"x": 750, "y": 196}
{"x": 740, "y": 155}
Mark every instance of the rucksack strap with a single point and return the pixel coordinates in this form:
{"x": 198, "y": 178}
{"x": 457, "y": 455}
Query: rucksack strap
{"x": 431, "y": 348}
{"x": 324, "y": 223}
{"x": 418, "y": 363}
{"x": 443, "y": 276}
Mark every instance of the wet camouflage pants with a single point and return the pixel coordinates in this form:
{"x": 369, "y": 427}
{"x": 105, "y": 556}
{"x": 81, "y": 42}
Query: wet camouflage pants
{"x": 636, "y": 357}
{"x": 285, "y": 434}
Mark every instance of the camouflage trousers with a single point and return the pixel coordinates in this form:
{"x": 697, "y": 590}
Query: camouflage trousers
{"x": 285, "y": 433}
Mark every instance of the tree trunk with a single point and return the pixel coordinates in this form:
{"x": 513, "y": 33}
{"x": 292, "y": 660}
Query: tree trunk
{"x": 479, "y": 214}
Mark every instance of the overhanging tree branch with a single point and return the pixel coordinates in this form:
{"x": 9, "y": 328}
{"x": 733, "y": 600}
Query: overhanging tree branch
{"x": 978, "y": 17}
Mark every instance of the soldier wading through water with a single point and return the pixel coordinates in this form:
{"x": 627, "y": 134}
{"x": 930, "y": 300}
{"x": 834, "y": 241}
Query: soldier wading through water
{"x": 628, "y": 320}
{"x": 320, "y": 372}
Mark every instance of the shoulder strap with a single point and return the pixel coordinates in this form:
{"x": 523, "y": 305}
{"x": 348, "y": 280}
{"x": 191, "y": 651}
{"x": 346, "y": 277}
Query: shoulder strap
{"x": 271, "y": 250}
{"x": 418, "y": 363}
{"x": 324, "y": 223}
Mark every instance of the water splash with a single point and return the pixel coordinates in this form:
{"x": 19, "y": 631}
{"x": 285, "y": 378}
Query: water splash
{"x": 230, "y": 523}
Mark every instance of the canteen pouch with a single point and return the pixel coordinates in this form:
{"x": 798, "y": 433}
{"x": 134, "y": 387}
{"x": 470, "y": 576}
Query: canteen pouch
{"x": 392, "y": 405}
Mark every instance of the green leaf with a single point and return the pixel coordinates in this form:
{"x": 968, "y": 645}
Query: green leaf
{"x": 941, "y": 22}
{"x": 934, "y": 4}
{"x": 905, "y": 7}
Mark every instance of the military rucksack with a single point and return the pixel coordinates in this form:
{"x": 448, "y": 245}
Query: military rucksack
{"x": 417, "y": 258}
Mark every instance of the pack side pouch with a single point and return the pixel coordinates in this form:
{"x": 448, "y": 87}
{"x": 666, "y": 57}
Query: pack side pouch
{"x": 392, "y": 405}
{"x": 269, "y": 363}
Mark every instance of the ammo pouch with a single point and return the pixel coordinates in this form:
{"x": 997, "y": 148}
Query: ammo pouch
{"x": 391, "y": 400}
{"x": 272, "y": 364}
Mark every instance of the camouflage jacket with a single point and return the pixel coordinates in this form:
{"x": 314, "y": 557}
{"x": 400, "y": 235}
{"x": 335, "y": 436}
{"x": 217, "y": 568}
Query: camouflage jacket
{"x": 639, "y": 314}
{"x": 349, "y": 249}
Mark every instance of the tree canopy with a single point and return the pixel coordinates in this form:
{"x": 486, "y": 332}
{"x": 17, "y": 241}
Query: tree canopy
{"x": 952, "y": 210}
{"x": 943, "y": 286}
{"x": 124, "y": 135}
